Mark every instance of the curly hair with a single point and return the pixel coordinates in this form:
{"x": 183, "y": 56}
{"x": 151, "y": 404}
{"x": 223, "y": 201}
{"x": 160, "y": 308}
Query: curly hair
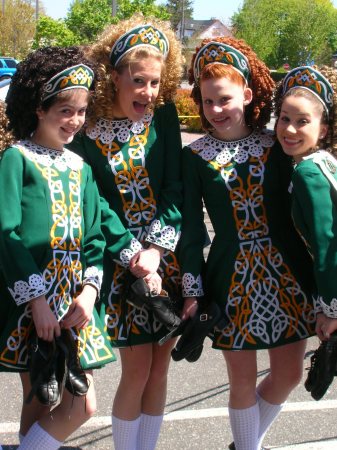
{"x": 329, "y": 142}
{"x": 100, "y": 50}
{"x": 257, "y": 113}
{"x": 6, "y": 137}
{"x": 27, "y": 86}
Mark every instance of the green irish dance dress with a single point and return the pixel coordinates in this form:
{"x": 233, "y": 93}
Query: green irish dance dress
{"x": 137, "y": 166}
{"x": 50, "y": 244}
{"x": 314, "y": 209}
{"x": 258, "y": 270}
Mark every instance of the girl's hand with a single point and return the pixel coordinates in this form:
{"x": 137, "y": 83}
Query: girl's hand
{"x": 80, "y": 311}
{"x": 190, "y": 307}
{"x": 45, "y": 322}
{"x": 146, "y": 261}
{"x": 325, "y": 326}
{"x": 154, "y": 281}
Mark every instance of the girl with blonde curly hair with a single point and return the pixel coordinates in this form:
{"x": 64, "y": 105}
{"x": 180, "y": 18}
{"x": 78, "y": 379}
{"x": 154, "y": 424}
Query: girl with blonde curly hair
{"x": 132, "y": 142}
{"x": 241, "y": 176}
{"x": 306, "y": 110}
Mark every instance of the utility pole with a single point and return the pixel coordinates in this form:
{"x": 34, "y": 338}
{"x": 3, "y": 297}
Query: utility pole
{"x": 3, "y": 7}
{"x": 114, "y": 8}
{"x": 182, "y": 28}
{"x": 37, "y": 10}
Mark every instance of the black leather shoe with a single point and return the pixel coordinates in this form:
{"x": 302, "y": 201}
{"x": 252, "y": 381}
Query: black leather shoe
{"x": 160, "y": 304}
{"x": 323, "y": 368}
{"x": 44, "y": 371}
{"x": 195, "y": 332}
{"x": 232, "y": 446}
{"x": 76, "y": 381}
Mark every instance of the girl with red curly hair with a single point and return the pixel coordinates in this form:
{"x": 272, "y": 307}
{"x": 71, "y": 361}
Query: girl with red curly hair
{"x": 241, "y": 176}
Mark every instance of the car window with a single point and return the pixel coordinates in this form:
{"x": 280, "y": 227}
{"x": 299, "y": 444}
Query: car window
{"x": 10, "y": 63}
{"x": 1, "y": 63}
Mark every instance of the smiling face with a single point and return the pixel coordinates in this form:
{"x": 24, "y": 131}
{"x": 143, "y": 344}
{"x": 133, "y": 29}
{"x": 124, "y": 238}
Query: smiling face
{"x": 137, "y": 87}
{"x": 300, "y": 126}
{"x": 58, "y": 124}
{"x": 223, "y": 102}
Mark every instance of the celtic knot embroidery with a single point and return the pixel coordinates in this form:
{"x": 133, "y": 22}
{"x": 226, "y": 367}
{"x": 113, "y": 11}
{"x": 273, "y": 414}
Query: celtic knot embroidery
{"x": 329, "y": 310}
{"x": 94, "y": 276}
{"x": 127, "y": 253}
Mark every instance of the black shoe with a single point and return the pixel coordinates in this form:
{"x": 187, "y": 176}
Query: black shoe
{"x": 76, "y": 381}
{"x": 232, "y": 446}
{"x": 323, "y": 368}
{"x": 44, "y": 371}
{"x": 160, "y": 304}
{"x": 195, "y": 332}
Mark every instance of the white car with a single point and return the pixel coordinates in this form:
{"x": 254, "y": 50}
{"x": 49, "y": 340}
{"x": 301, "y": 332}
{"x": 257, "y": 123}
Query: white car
{"x": 4, "y": 85}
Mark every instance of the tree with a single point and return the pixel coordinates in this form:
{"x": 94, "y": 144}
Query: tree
{"x": 17, "y": 28}
{"x": 179, "y": 10}
{"x": 53, "y": 32}
{"x": 126, "y": 8}
{"x": 288, "y": 31}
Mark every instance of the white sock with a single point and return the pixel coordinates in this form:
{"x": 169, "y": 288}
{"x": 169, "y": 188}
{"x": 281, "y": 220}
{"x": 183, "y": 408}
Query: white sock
{"x": 149, "y": 430}
{"x": 245, "y": 425}
{"x": 268, "y": 413}
{"x": 38, "y": 439}
{"x": 21, "y": 437}
{"x": 124, "y": 433}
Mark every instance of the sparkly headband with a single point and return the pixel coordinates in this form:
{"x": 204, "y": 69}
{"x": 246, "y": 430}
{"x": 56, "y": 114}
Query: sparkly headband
{"x": 306, "y": 77}
{"x": 142, "y": 35}
{"x": 217, "y": 52}
{"x": 75, "y": 77}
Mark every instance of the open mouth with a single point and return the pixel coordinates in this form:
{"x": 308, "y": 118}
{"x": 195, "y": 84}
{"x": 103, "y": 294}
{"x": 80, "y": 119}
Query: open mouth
{"x": 140, "y": 107}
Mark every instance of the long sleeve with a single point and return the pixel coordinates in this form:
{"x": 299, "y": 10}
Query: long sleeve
{"x": 22, "y": 274}
{"x": 165, "y": 228}
{"x": 193, "y": 228}
{"x": 315, "y": 215}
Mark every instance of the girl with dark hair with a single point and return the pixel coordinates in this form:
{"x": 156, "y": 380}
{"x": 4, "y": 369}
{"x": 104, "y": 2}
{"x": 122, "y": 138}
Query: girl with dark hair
{"x": 306, "y": 127}
{"x": 51, "y": 244}
{"x": 241, "y": 176}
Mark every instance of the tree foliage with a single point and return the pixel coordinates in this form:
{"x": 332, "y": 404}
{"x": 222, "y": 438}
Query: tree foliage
{"x": 179, "y": 9}
{"x": 53, "y": 32}
{"x": 288, "y": 31}
{"x": 17, "y": 28}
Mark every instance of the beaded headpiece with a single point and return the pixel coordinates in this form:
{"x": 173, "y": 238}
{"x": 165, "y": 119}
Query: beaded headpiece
{"x": 217, "y": 52}
{"x": 306, "y": 77}
{"x": 75, "y": 77}
{"x": 142, "y": 35}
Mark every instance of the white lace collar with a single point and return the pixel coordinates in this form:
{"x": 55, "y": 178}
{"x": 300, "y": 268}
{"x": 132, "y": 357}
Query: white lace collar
{"x": 111, "y": 130}
{"x": 210, "y": 148}
{"x": 49, "y": 157}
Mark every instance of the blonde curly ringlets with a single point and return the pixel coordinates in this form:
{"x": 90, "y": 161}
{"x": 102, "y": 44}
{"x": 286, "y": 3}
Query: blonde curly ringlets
{"x": 257, "y": 113}
{"x": 6, "y": 137}
{"x": 329, "y": 142}
{"x": 100, "y": 50}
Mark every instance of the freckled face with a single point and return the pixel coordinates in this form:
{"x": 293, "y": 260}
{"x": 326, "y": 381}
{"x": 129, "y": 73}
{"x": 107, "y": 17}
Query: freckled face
{"x": 224, "y": 102}
{"x": 137, "y": 87}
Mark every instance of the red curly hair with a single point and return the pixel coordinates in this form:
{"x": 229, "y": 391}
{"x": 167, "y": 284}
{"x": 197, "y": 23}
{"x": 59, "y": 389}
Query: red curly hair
{"x": 257, "y": 113}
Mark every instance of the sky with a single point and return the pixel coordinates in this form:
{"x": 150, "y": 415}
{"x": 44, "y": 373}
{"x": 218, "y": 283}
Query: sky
{"x": 203, "y": 9}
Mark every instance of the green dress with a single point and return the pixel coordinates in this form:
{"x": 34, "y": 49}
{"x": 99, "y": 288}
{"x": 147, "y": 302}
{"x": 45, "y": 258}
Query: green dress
{"x": 50, "y": 244}
{"x": 257, "y": 270}
{"x": 314, "y": 209}
{"x": 137, "y": 166}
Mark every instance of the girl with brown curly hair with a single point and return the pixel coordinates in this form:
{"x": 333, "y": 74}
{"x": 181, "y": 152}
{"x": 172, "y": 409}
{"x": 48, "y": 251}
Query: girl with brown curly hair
{"x": 133, "y": 144}
{"x": 306, "y": 110}
{"x": 241, "y": 176}
{"x": 51, "y": 247}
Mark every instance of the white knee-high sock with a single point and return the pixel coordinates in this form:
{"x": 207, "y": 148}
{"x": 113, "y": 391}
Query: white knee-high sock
{"x": 148, "y": 432}
{"x": 268, "y": 413}
{"x": 245, "y": 424}
{"x": 124, "y": 433}
{"x": 38, "y": 439}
